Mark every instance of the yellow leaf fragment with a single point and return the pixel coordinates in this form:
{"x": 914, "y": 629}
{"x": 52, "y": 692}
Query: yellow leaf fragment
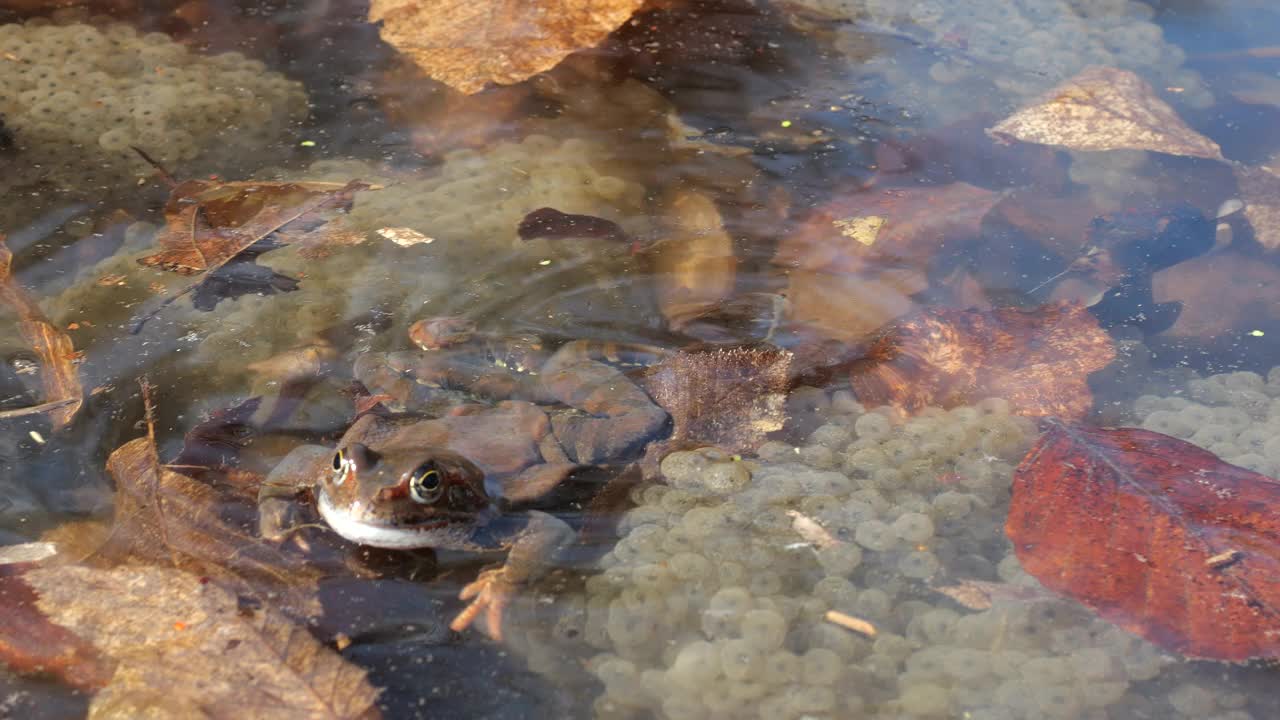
{"x": 863, "y": 229}
{"x": 1104, "y": 108}
{"x": 469, "y": 43}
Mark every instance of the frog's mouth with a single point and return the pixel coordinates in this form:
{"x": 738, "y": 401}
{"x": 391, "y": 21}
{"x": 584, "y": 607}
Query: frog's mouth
{"x": 438, "y": 533}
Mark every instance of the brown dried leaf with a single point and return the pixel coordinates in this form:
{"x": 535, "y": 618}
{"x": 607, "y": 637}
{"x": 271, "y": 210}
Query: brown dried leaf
{"x": 1104, "y": 108}
{"x": 163, "y": 517}
{"x": 726, "y": 396}
{"x": 182, "y": 644}
{"x": 1260, "y": 190}
{"x": 63, "y": 394}
{"x": 207, "y": 224}
{"x": 1038, "y": 360}
{"x": 469, "y": 43}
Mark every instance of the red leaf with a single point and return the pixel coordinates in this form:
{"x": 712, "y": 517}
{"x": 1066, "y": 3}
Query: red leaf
{"x": 1157, "y": 535}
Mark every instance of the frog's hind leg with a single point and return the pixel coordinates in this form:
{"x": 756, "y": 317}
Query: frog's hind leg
{"x": 620, "y": 418}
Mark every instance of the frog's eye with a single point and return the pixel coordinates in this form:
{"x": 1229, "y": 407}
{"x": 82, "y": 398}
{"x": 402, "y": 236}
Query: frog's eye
{"x": 425, "y": 483}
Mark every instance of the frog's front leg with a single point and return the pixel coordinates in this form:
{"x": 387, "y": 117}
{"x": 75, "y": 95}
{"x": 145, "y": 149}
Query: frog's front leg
{"x": 620, "y": 419}
{"x": 532, "y": 550}
{"x": 280, "y": 509}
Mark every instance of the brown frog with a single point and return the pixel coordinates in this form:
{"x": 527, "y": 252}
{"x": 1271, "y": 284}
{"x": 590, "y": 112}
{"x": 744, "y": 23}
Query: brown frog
{"x": 407, "y": 483}
{"x": 603, "y": 415}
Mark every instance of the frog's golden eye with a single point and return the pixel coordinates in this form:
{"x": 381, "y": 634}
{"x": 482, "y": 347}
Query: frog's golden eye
{"x": 425, "y": 483}
{"x": 339, "y": 461}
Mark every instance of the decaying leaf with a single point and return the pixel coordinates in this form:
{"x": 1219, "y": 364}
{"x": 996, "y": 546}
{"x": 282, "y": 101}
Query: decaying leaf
{"x": 1038, "y": 360}
{"x": 730, "y": 397}
{"x": 1157, "y": 535}
{"x": 982, "y": 595}
{"x": 1104, "y": 108}
{"x": 164, "y": 517}
{"x": 695, "y": 261}
{"x": 207, "y": 224}
{"x": 185, "y": 647}
{"x": 1260, "y": 190}
{"x": 63, "y": 394}
{"x": 899, "y": 223}
{"x": 31, "y": 644}
{"x": 469, "y": 43}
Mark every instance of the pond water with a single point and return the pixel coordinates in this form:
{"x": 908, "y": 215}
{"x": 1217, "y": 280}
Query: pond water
{"x": 792, "y": 175}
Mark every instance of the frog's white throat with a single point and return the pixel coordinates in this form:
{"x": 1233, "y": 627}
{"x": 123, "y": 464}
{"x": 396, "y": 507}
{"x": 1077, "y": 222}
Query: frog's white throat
{"x": 364, "y": 533}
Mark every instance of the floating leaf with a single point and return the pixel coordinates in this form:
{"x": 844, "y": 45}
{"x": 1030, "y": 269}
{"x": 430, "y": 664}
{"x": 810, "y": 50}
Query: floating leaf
{"x": 469, "y": 43}
{"x": 1104, "y": 108}
{"x": 182, "y": 643}
{"x": 63, "y": 394}
{"x": 1157, "y": 535}
{"x": 1039, "y": 360}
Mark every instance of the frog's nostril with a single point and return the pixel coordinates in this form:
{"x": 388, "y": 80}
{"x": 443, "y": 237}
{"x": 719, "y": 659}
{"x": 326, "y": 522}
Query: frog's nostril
{"x": 361, "y": 457}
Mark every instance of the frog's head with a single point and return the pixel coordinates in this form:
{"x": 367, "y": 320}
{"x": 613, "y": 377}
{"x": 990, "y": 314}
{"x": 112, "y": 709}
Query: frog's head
{"x": 402, "y": 499}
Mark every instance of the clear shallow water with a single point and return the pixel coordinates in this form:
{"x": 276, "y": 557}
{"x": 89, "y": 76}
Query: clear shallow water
{"x": 811, "y": 98}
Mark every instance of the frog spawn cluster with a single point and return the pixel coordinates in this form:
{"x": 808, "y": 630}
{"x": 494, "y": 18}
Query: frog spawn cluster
{"x": 1033, "y": 43}
{"x": 1235, "y": 415}
{"x": 76, "y": 96}
{"x": 712, "y": 605}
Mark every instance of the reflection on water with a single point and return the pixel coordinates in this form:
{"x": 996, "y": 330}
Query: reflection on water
{"x": 713, "y": 133}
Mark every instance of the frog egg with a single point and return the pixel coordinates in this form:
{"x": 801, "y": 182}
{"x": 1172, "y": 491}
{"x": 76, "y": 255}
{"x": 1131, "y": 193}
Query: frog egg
{"x": 920, "y": 565}
{"x": 747, "y": 691}
{"x": 1090, "y": 664}
{"x": 764, "y": 630}
{"x": 874, "y": 426}
{"x": 1046, "y": 671}
{"x": 844, "y": 402}
{"x": 925, "y": 700}
{"x": 865, "y": 461}
{"x": 836, "y": 591}
{"x": 913, "y": 527}
{"x": 1255, "y": 462}
{"x": 695, "y": 665}
{"x": 781, "y": 667}
{"x": 1193, "y": 700}
{"x": 873, "y": 604}
{"x": 765, "y": 582}
{"x": 935, "y": 626}
{"x": 809, "y": 700}
{"x": 644, "y": 541}
{"x": 875, "y": 535}
{"x": 1209, "y": 435}
{"x": 818, "y": 456}
{"x": 952, "y": 505}
{"x": 820, "y": 666}
{"x": 681, "y": 706}
{"x": 831, "y": 436}
{"x": 741, "y": 659}
{"x": 967, "y": 666}
{"x": 900, "y": 451}
{"x": 840, "y": 559}
{"x": 1233, "y": 418}
{"x": 652, "y": 577}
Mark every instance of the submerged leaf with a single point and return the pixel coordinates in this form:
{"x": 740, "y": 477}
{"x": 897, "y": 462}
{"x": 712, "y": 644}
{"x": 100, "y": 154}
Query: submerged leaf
{"x": 184, "y": 644}
{"x": 695, "y": 262}
{"x": 726, "y": 396}
{"x": 1157, "y": 535}
{"x": 1038, "y": 360}
{"x": 63, "y": 394}
{"x": 469, "y": 43}
{"x": 168, "y": 518}
{"x": 1104, "y": 108}
{"x": 1260, "y": 190}
{"x": 31, "y": 644}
